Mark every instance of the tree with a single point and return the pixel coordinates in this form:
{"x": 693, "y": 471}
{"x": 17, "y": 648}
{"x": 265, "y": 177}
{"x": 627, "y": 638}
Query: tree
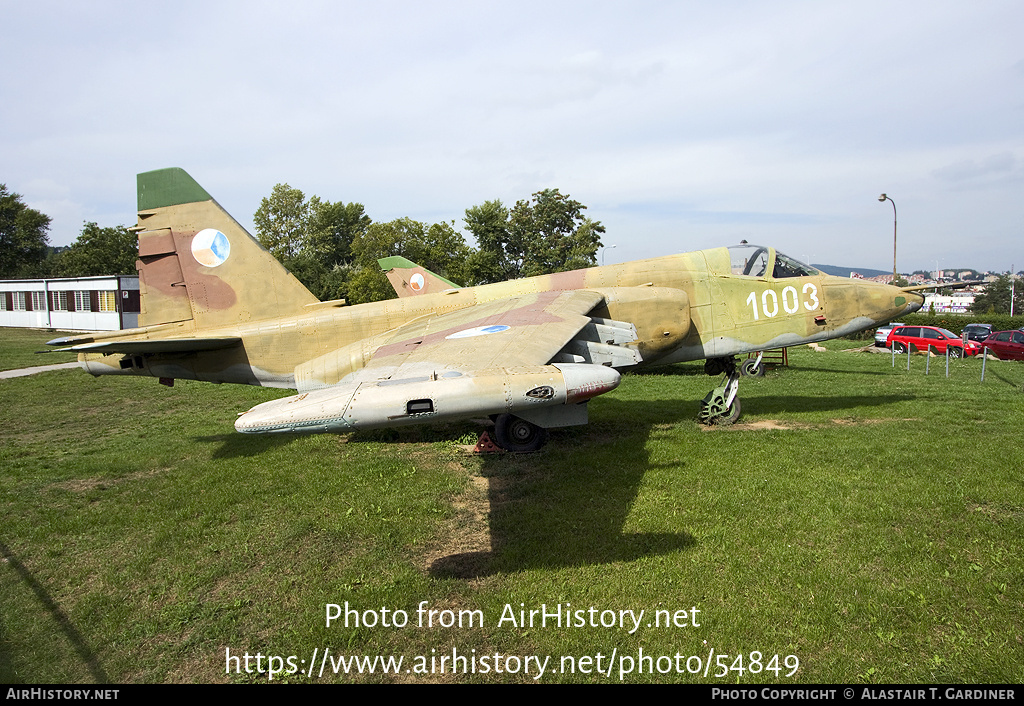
{"x": 331, "y": 228}
{"x": 281, "y": 221}
{"x": 313, "y": 238}
{"x": 99, "y": 251}
{"x": 23, "y": 236}
{"x": 494, "y": 260}
{"x": 437, "y": 247}
{"x": 546, "y": 234}
{"x": 996, "y": 297}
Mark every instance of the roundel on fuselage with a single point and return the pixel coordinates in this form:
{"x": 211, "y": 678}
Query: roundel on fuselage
{"x": 478, "y": 331}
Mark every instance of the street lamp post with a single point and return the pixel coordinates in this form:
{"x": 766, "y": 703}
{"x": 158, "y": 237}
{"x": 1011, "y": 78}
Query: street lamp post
{"x": 606, "y": 247}
{"x": 883, "y": 197}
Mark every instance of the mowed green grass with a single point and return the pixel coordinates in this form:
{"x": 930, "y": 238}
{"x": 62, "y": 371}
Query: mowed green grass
{"x": 863, "y": 519}
{"x": 19, "y": 346}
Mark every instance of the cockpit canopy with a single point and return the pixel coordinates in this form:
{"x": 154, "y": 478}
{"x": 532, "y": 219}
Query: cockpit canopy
{"x": 757, "y": 261}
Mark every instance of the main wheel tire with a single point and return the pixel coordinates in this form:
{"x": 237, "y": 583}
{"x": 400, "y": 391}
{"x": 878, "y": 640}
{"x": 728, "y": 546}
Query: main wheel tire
{"x": 899, "y": 347}
{"x": 518, "y": 435}
{"x": 751, "y": 369}
{"x": 731, "y": 416}
{"x": 956, "y": 352}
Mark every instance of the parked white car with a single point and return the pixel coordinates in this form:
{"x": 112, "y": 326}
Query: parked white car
{"x": 882, "y": 334}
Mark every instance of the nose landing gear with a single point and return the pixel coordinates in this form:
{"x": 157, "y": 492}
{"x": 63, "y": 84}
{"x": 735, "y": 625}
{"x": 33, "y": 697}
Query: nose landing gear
{"x": 722, "y": 405}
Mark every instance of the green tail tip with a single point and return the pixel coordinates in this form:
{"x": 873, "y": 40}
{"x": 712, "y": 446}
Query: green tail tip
{"x": 168, "y": 187}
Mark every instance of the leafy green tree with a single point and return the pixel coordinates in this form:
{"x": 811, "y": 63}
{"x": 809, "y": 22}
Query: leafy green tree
{"x": 996, "y": 297}
{"x": 437, "y": 247}
{"x": 313, "y": 238}
{"x": 495, "y": 259}
{"x": 331, "y": 228}
{"x": 324, "y": 281}
{"x": 98, "y": 251}
{"x": 23, "y": 237}
{"x": 281, "y": 221}
{"x": 548, "y": 233}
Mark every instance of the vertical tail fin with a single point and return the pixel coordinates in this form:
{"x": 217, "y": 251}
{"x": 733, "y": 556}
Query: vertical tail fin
{"x": 409, "y": 279}
{"x": 196, "y": 263}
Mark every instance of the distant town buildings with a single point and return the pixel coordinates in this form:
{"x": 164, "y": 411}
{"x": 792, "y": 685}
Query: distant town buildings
{"x": 957, "y": 302}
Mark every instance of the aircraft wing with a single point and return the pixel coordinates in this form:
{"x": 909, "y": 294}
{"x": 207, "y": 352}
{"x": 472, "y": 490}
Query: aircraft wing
{"x": 524, "y": 330}
{"x": 487, "y": 359}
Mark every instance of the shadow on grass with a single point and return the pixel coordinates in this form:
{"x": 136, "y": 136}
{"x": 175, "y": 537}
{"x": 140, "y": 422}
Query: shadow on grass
{"x": 775, "y": 404}
{"x": 683, "y": 369}
{"x": 568, "y": 504}
{"x": 235, "y": 445}
{"x": 839, "y": 371}
{"x": 86, "y": 654}
{"x": 549, "y": 510}
{"x": 1012, "y": 383}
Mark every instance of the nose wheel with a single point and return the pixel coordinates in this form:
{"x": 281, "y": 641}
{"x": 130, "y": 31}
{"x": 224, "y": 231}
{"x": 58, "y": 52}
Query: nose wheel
{"x": 722, "y": 405}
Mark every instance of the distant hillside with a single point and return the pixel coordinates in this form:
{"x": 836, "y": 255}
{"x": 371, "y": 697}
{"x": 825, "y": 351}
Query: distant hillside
{"x": 845, "y": 271}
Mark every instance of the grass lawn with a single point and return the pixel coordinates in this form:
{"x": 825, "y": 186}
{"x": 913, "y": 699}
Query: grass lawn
{"x": 18, "y": 348}
{"x": 861, "y": 524}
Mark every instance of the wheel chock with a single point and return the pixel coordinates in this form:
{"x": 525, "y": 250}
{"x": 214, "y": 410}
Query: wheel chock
{"x": 486, "y": 446}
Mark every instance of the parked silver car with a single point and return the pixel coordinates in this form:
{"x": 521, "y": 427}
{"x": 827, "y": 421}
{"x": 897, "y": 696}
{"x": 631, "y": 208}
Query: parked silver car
{"x": 882, "y": 334}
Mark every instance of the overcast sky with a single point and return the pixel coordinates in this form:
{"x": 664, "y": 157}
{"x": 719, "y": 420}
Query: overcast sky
{"x": 681, "y": 125}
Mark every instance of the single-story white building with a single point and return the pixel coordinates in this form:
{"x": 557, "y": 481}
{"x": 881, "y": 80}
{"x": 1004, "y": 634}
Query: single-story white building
{"x": 105, "y": 303}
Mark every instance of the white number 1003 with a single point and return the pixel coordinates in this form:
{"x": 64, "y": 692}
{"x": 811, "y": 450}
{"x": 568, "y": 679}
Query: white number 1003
{"x": 790, "y": 301}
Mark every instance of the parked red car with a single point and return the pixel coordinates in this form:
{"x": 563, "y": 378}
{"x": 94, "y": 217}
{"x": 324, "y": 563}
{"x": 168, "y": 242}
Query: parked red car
{"x": 919, "y": 338}
{"x": 1008, "y": 345}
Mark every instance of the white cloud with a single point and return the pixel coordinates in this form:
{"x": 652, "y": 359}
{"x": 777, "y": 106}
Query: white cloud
{"x": 778, "y": 122}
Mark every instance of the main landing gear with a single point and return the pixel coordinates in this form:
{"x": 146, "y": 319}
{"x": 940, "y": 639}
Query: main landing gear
{"x": 722, "y": 405}
{"x": 518, "y": 435}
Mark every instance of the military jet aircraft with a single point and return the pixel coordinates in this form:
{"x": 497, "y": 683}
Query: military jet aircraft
{"x": 529, "y": 353}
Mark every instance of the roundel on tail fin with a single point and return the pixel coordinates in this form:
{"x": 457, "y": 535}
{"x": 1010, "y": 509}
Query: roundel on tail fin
{"x": 210, "y": 247}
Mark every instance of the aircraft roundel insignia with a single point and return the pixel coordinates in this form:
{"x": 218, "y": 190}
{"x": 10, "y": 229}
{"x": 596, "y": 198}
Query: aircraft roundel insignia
{"x": 416, "y": 281}
{"x": 479, "y": 331}
{"x": 210, "y": 247}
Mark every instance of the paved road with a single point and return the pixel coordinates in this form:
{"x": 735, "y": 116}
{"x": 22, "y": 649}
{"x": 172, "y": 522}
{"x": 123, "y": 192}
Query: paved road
{"x": 4, "y": 374}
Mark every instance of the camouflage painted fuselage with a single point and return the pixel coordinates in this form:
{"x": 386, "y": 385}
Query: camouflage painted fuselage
{"x": 218, "y": 307}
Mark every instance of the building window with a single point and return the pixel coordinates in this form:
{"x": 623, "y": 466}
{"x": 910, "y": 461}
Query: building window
{"x": 60, "y": 301}
{"x": 19, "y": 301}
{"x": 108, "y": 301}
{"x": 38, "y": 301}
{"x": 82, "y": 301}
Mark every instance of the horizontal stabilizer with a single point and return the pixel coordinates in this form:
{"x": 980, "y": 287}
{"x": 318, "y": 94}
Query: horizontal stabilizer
{"x": 161, "y": 345}
{"x": 950, "y": 285}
